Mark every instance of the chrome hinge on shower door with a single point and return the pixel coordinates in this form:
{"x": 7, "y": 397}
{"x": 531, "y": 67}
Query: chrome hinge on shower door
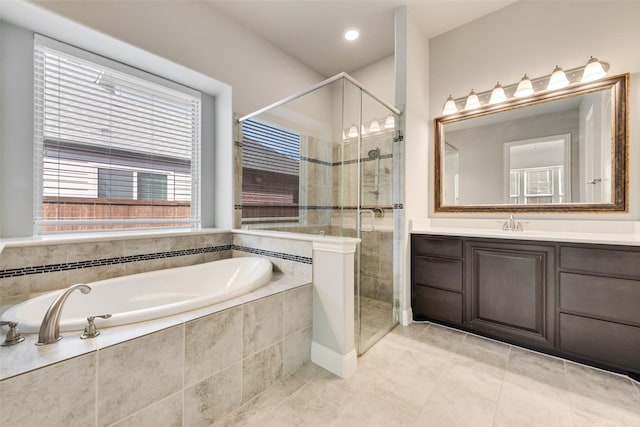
{"x": 399, "y": 137}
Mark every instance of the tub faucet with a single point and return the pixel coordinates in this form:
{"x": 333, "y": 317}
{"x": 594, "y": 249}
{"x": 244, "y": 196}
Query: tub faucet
{"x": 50, "y": 326}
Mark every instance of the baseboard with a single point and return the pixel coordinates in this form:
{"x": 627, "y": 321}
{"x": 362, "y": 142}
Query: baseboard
{"x": 406, "y": 317}
{"x": 343, "y": 365}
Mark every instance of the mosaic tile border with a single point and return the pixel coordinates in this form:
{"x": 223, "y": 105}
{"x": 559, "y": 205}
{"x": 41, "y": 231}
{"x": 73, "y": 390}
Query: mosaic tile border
{"x": 330, "y": 207}
{"x": 320, "y": 162}
{"x": 50, "y": 268}
{"x": 281, "y": 255}
{"x": 363, "y": 160}
{"x": 346, "y": 162}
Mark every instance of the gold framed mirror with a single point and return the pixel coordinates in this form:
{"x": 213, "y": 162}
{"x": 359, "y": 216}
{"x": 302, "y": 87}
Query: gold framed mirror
{"x": 557, "y": 151}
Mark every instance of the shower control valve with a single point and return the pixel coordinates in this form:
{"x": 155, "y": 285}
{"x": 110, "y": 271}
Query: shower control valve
{"x": 90, "y": 330}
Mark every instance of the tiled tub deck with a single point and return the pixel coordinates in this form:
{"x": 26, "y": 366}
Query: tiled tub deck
{"x": 190, "y": 369}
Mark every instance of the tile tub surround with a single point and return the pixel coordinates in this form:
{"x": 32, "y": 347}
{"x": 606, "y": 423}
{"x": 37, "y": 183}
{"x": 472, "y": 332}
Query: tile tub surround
{"x": 292, "y": 257}
{"x": 33, "y": 267}
{"x": 191, "y": 373}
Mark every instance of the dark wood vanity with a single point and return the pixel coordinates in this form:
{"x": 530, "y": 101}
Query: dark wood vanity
{"x": 575, "y": 300}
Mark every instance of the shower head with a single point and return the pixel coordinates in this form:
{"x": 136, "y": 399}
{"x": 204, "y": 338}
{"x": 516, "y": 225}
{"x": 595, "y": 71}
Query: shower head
{"x": 374, "y": 154}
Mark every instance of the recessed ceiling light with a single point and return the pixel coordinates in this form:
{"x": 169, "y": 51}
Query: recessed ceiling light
{"x": 351, "y": 35}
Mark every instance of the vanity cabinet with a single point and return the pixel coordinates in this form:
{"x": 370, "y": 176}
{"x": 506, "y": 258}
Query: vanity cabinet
{"x": 437, "y": 278}
{"x": 509, "y": 291}
{"x": 599, "y": 304}
{"x": 580, "y": 301}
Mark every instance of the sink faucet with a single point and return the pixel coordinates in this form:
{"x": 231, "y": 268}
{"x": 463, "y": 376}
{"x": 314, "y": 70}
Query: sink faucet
{"x": 50, "y": 326}
{"x": 512, "y": 225}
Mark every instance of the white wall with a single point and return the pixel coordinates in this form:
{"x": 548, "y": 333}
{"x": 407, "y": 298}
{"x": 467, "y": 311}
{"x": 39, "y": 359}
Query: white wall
{"x": 16, "y": 131}
{"x": 379, "y": 78}
{"x": 412, "y": 95}
{"x": 197, "y": 36}
{"x": 532, "y": 37}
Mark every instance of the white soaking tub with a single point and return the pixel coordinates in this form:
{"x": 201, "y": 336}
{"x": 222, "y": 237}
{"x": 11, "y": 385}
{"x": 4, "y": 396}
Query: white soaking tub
{"x": 145, "y": 296}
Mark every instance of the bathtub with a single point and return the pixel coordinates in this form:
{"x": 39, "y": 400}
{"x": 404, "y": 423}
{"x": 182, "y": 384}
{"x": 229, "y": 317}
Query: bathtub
{"x": 146, "y": 296}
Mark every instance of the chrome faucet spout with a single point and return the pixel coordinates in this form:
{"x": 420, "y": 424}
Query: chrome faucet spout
{"x": 512, "y": 225}
{"x": 50, "y": 326}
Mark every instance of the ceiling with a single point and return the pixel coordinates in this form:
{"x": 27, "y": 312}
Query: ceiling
{"x": 312, "y": 30}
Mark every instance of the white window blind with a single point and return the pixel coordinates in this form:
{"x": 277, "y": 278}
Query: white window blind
{"x": 112, "y": 149}
{"x": 270, "y": 172}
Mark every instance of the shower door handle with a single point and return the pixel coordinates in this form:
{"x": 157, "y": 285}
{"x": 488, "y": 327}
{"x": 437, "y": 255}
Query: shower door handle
{"x": 372, "y": 216}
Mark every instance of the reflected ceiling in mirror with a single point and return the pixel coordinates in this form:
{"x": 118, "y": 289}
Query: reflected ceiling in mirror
{"x": 557, "y": 151}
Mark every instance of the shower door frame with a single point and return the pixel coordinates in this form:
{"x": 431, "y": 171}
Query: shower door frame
{"x": 396, "y": 190}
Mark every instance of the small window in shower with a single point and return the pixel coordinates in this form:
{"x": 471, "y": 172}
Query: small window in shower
{"x": 270, "y": 173}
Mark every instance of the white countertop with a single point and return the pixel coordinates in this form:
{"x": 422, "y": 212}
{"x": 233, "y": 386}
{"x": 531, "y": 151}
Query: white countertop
{"x": 550, "y": 236}
{"x": 598, "y": 233}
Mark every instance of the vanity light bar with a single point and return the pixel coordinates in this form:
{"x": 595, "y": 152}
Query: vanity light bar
{"x": 592, "y": 70}
{"x": 374, "y": 126}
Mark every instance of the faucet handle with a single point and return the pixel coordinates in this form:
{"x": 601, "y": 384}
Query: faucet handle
{"x": 13, "y": 336}
{"x": 90, "y": 330}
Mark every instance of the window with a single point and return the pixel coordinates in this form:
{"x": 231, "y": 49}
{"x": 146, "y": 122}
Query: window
{"x": 152, "y": 186}
{"x": 115, "y": 147}
{"x": 270, "y": 173}
{"x": 115, "y": 184}
{"x": 536, "y": 185}
{"x": 539, "y": 170}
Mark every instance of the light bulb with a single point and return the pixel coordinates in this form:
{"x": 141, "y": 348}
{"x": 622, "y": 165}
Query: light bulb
{"x": 351, "y": 35}
{"x": 362, "y": 130}
{"x": 450, "y": 106}
{"x": 497, "y": 94}
{"x": 473, "y": 101}
{"x": 390, "y": 123}
{"x": 353, "y": 131}
{"x": 524, "y": 88}
{"x": 374, "y": 126}
{"x": 558, "y": 79}
{"x": 593, "y": 71}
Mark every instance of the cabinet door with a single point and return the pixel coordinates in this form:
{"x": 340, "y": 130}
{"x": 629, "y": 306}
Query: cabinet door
{"x": 510, "y": 291}
{"x": 435, "y": 304}
{"x": 438, "y": 272}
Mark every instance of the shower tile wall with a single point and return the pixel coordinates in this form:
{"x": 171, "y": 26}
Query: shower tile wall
{"x": 293, "y": 257}
{"x": 376, "y": 271}
{"x": 237, "y": 180}
{"x": 316, "y": 178}
{"x": 371, "y": 195}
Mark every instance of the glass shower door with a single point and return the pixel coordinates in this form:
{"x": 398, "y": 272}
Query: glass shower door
{"x": 375, "y": 285}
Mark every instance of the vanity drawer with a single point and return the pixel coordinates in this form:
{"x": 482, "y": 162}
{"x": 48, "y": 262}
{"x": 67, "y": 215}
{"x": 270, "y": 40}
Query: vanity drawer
{"x": 438, "y": 272}
{"x": 437, "y": 245}
{"x": 606, "y": 297}
{"x": 432, "y": 303}
{"x": 602, "y": 261}
{"x": 605, "y": 342}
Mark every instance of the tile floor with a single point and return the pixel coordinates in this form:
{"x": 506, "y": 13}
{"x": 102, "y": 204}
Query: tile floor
{"x": 376, "y": 320}
{"x": 428, "y": 375}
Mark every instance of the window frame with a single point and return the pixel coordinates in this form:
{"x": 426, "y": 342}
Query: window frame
{"x": 194, "y": 221}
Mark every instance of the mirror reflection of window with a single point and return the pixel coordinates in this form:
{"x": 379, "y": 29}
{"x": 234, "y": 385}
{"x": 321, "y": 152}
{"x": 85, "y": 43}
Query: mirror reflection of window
{"x": 537, "y": 170}
{"x": 514, "y": 187}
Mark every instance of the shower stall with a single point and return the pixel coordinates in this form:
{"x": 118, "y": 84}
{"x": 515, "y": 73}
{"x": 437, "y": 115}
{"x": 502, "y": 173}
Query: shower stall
{"x": 328, "y": 161}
